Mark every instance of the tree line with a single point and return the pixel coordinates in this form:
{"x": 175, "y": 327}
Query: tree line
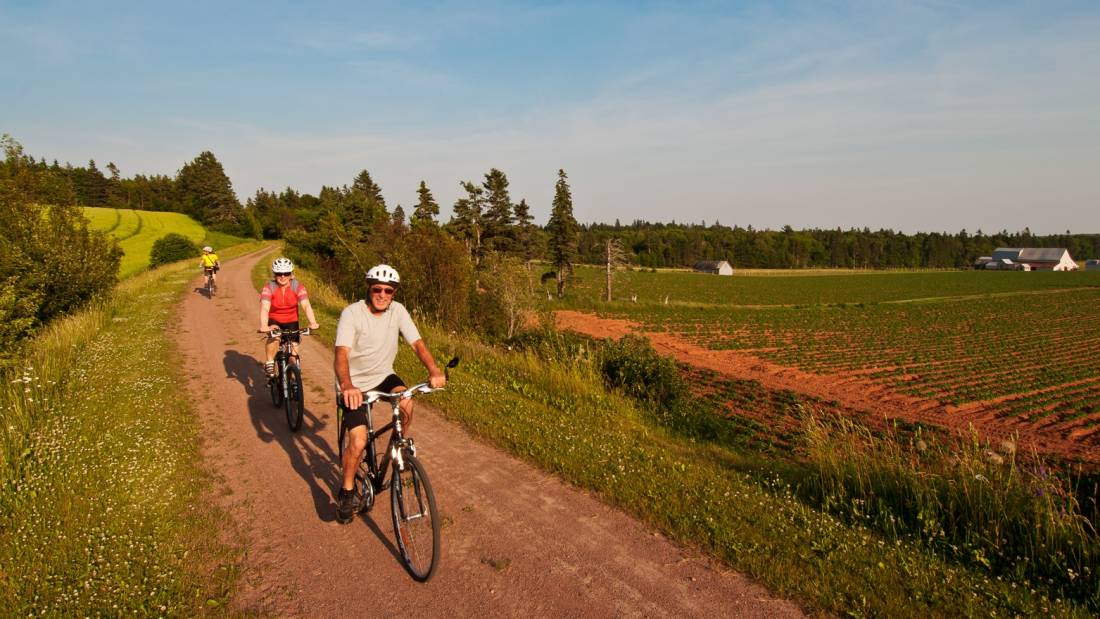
{"x": 682, "y": 245}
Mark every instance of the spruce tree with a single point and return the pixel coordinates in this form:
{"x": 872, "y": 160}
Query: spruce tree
{"x": 206, "y": 194}
{"x": 426, "y": 208}
{"x": 498, "y": 229}
{"x": 466, "y": 224}
{"x": 564, "y": 232}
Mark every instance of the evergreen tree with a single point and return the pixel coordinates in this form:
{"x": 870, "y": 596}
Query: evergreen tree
{"x": 426, "y": 208}
{"x": 497, "y": 233}
{"x": 398, "y": 216}
{"x": 466, "y": 224}
{"x": 563, "y": 231}
{"x": 205, "y": 193}
{"x": 365, "y": 185}
{"x": 364, "y": 208}
{"x": 525, "y": 233}
{"x": 91, "y": 185}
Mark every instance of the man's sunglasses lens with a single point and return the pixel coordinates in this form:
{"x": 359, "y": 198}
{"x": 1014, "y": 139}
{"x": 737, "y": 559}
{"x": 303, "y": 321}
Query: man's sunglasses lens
{"x": 282, "y": 275}
{"x": 380, "y": 290}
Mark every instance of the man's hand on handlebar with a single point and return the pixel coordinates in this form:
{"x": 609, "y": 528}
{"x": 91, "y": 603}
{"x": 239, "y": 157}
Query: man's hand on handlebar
{"x": 353, "y": 398}
{"x": 436, "y": 381}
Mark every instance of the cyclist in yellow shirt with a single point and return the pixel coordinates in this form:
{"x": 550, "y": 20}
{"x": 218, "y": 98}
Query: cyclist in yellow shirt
{"x": 210, "y": 264}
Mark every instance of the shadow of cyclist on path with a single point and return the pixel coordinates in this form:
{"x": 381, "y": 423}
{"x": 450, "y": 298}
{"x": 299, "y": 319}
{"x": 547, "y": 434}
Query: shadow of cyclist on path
{"x": 310, "y": 454}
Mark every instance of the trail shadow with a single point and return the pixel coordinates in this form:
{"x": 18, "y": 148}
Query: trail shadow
{"x": 310, "y": 454}
{"x": 203, "y": 291}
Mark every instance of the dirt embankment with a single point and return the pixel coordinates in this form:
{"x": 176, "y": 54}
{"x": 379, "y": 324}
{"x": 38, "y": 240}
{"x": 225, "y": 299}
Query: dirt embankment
{"x": 851, "y": 391}
{"x": 516, "y": 541}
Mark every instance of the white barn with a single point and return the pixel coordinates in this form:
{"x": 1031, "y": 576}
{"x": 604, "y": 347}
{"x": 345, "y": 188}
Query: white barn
{"x": 1037, "y": 258}
{"x": 718, "y": 267}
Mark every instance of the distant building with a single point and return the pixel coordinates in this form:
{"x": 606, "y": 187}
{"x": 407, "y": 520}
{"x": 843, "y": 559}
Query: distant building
{"x": 1036, "y": 258}
{"x": 1092, "y": 264}
{"x": 720, "y": 267}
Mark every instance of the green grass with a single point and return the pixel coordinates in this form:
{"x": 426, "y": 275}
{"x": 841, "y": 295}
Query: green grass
{"x": 103, "y": 510}
{"x": 136, "y": 232}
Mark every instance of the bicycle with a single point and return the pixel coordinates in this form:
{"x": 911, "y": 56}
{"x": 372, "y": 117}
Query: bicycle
{"x": 211, "y": 285}
{"x": 286, "y": 385}
{"x": 412, "y": 502}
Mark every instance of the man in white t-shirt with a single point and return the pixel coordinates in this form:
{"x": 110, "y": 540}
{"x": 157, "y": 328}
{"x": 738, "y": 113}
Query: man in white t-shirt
{"x": 366, "y": 345}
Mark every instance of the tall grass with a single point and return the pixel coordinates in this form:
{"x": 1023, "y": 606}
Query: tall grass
{"x": 29, "y": 389}
{"x": 1009, "y": 513}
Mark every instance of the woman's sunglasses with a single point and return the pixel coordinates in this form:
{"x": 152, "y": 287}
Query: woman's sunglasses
{"x": 381, "y": 290}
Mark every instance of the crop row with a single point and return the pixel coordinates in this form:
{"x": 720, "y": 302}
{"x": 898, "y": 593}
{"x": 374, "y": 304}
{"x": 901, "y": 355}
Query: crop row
{"x": 953, "y": 351}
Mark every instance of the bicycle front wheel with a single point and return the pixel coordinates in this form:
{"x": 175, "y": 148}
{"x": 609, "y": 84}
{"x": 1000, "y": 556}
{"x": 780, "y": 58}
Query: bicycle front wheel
{"x": 294, "y": 398}
{"x": 415, "y": 519}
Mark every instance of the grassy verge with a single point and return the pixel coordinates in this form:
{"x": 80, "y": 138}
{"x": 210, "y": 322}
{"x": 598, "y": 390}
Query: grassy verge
{"x": 102, "y": 510}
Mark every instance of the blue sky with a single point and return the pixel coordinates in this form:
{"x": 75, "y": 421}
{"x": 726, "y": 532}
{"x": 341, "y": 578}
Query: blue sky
{"x": 934, "y": 115}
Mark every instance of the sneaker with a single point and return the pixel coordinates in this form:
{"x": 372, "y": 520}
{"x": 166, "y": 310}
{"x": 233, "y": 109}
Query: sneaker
{"x": 346, "y": 506}
{"x": 269, "y": 369}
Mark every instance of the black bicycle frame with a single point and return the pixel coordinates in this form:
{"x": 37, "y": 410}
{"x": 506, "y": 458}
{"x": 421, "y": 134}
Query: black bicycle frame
{"x": 282, "y": 360}
{"x": 378, "y": 471}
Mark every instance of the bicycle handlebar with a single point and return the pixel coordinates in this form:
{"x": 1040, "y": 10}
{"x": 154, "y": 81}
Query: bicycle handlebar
{"x": 370, "y": 397}
{"x": 276, "y": 332}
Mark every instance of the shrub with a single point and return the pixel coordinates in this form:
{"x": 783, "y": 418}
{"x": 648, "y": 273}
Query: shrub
{"x": 50, "y": 264}
{"x": 436, "y": 275}
{"x": 170, "y": 248}
{"x": 632, "y": 366}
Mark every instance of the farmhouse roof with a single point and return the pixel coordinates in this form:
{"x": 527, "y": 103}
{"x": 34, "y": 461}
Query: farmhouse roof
{"x": 1046, "y": 254}
{"x": 1030, "y": 254}
{"x": 709, "y": 265}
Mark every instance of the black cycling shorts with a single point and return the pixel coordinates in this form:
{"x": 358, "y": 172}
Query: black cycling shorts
{"x": 358, "y": 417}
{"x": 287, "y": 326}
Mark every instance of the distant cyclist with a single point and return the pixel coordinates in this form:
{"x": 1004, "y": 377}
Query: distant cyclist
{"x": 279, "y": 302}
{"x": 366, "y": 345}
{"x": 210, "y": 264}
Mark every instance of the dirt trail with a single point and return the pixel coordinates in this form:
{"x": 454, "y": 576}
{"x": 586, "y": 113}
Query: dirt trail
{"x": 556, "y": 550}
{"x": 851, "y": 390}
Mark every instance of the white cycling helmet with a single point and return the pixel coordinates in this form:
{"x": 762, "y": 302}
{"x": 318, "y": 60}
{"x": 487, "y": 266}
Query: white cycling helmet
{"x": 208, "y": 249}
{"x": 383, "y": 274}
{"x": 282, "y": 265}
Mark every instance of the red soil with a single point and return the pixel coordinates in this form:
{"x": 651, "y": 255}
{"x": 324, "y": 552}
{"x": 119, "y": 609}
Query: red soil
{"x": 1070, "y": 440}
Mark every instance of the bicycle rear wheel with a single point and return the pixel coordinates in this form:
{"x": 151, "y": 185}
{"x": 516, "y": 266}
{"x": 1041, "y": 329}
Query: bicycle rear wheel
{"x": 364, "y": 492}
{"x": 294, "y": 398}
{"x": 415, "y": 519}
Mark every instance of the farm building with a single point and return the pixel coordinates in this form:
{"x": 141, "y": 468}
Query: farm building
{"x": 1036, "y": 258}
{"x": 718, "y": 267}
{"x": 1092, "y": 264}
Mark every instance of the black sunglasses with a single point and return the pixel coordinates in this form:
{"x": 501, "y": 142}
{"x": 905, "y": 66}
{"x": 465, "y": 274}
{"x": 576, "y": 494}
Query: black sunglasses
{"x": 381, "y": 290}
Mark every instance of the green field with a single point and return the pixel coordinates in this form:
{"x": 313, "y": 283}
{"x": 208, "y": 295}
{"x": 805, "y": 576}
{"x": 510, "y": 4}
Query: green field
{"x": 136, "y": 232}
{"x": 816, "y": 287}
{"x": 1023, "y": 347}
